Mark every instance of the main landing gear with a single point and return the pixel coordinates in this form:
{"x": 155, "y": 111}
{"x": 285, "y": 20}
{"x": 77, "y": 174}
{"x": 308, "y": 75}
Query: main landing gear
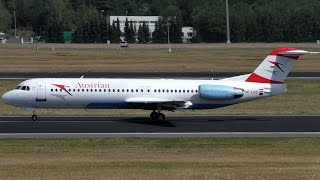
{"x": 34, "y": 117}
{"x": 157, "y": 116}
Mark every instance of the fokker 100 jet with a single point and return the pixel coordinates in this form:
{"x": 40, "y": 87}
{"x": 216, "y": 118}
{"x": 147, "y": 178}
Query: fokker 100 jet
{"x": 156, "y": 95}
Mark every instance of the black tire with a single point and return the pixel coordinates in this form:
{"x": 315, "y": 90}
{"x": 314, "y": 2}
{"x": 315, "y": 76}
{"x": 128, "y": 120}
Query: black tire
{"x": 34, "y": 117}
{"x": 153, "y": 115}
{"x": 160, "y": 117}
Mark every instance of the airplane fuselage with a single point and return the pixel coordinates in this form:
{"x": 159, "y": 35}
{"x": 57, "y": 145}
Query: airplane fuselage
{"x": 122, "y": 93}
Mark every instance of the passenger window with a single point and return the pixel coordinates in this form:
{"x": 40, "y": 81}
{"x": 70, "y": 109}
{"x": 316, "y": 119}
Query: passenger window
{"x": 51, "y": 90}
{"x": 184, "y": 91}
{"x": 56, "y": 90}
{"x": 99, "y": 90}
{"x": 113, "y": 90}
{"x": 122, "y": 90}
{"x": 131, "y": 90}
{"x": 191, "y": 91}
{"x": 187, "y": 91}
{"x": 141, "y": 90}
{"x": 171, "y": 91}
{"x": 155, "y": 90}
{"x": 137, "y": 90}
{"x": 109, "y": 90}
{"x": 104, "y": 90}
{"x": 127, "y": 90}
{"x": 179, "y": 91}
{"x": 196, "y": 91}
{"x": 175, "y": 91}
{"x": 91, "y": 90}
{"x": 78, "y": 90}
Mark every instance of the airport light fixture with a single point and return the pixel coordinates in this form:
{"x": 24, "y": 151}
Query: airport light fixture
{"x": 168, "y": 29}
{"x": 228, "y": 25}
{"x": 15, "y": 24}
{"x": 102, "y": 11}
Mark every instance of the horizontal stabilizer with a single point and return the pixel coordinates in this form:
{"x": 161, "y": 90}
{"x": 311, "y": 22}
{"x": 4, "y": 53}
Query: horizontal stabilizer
{"x": 296, "y": 53}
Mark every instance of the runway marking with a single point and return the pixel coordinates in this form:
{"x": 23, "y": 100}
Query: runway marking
{"x": 162, "y": 135}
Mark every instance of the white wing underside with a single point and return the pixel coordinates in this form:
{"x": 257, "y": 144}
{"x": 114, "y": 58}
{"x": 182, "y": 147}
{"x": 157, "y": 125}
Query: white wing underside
{"x": 175, "y": 104}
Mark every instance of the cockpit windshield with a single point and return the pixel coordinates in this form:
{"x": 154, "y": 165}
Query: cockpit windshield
{"x": 24, "y": 88}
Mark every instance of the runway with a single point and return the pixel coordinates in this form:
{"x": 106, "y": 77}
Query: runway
{"x": 176, "y": 126}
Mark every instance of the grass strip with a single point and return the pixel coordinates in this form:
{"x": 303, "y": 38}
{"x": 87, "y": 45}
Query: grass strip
{"x": 159, "y": 158}
{"x": 234, "y": 59}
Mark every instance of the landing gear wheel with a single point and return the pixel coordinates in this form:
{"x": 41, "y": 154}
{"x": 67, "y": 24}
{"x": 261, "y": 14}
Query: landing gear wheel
{"x": 160, "y": 117}
{"x": 153, "y": 115}
{"x": 34, "y": 117}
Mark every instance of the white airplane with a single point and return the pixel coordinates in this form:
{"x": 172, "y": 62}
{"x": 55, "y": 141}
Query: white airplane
{"x": 156, "y": 94}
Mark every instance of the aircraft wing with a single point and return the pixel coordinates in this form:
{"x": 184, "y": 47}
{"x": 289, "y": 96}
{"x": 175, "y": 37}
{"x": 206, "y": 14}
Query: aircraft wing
{"x": 156, "y": 103}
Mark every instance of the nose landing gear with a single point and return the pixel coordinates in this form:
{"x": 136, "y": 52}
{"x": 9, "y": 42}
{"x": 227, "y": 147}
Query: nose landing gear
{"x": 34, "y": 117}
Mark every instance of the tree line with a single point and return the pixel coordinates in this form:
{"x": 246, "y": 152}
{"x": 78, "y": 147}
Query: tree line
{"x": 250, "y": 20}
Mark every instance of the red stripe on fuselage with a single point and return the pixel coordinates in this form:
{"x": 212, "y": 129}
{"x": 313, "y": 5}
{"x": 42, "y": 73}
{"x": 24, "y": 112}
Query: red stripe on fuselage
{"x": 259, "y": 79}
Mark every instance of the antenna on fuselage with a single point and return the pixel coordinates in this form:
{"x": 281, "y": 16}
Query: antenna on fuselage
{"x": 82, "y": 77}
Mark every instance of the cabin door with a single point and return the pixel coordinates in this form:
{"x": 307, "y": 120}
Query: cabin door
{"x": 41, "y": 92}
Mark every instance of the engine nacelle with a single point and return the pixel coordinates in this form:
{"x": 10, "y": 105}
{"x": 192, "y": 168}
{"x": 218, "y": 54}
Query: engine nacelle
{"x": 219, "y": 92}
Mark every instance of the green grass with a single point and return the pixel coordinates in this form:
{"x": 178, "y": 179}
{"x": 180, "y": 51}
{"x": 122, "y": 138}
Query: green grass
{"x": 215, "y": 59}
{"x": 160, "y": 158}
{"x": 302, "y": 98}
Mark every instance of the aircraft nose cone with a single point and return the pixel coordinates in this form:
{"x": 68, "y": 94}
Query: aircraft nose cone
{"x": 5, "y": 98}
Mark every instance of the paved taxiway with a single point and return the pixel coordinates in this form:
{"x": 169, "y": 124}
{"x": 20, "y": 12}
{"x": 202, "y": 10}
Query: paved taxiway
{"x": 182, "y": 126}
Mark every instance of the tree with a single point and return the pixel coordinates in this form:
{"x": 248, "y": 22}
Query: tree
{"x": 115, "y": 33}
{"x": 129, "y": 32}
{"x": 250, "y": 20}
{"x": 160, "y": 33}
{"x": 140, "y": 34}
{"x": 143, "y": 33}
{"x": 209, "y": 20}
{"x": 5, "y": 20}
{"x": 104, "y": 30}
{"x": 132, "y": 33}
{"x": 175, "y": 31}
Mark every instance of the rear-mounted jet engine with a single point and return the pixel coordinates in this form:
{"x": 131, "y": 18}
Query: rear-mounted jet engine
{"x": 219, "y": 92}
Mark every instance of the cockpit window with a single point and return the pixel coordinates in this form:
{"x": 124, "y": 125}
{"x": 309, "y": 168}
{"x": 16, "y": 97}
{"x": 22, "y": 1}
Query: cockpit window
{"x": 24, "y": 88}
